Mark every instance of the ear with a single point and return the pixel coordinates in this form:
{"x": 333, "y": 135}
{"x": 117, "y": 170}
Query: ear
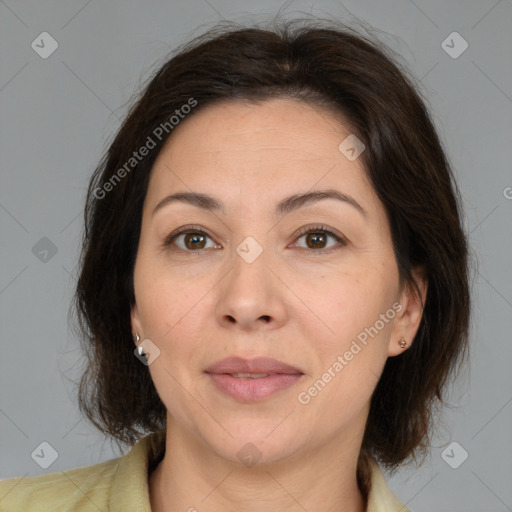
{"x": 136, "y": 324}
{"x": 408, "y": 318}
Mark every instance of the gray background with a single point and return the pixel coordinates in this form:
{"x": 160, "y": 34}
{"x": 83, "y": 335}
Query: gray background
{"x": 57, "y": 115}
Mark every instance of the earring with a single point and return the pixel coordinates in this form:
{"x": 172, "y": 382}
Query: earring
{"x": 403, "y": 343}
{"x": 140, "y": 350}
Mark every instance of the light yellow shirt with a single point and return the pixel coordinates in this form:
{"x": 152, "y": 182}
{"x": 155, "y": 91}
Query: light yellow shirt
{"x": 121, "y": 485}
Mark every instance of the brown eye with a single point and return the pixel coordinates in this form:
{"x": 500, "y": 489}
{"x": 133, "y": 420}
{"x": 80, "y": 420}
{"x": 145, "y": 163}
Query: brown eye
{"x": 317, "y": 238}
{"x": 194, "y": 241}
{"x": 191, "y": 240}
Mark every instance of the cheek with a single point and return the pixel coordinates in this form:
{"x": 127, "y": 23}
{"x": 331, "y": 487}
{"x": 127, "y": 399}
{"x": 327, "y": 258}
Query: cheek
{"x": 163, "y": 296}
{"x": 173, "y": 310}
{"x": 170, "y": 310}
{"x": 350, "y": 361}
{"x": 350, "y": 302}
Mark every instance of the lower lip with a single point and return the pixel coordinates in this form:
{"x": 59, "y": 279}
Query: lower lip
{"x": 252, "y": 390}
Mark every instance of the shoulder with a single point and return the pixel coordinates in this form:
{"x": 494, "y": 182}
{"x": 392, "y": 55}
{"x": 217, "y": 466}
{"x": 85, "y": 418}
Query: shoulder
{"x": 119, "y": 484}
{"x": 79, "y": 489}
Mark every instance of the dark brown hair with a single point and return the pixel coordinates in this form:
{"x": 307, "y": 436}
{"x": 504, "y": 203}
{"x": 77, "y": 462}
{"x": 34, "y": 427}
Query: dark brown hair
{"x": 333, "y": 66}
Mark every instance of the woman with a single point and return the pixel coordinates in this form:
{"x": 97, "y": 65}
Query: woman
{"x": 276, "y": 234}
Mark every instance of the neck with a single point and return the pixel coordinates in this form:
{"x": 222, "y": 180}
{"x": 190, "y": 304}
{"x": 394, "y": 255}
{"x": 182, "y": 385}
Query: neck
{"x": 191, "y": 477}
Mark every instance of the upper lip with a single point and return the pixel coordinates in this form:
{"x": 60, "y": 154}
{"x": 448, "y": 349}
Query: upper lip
{"x": 268, "y": 365}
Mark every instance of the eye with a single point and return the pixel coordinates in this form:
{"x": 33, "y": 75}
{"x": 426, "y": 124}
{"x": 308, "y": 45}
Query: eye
{"x": 316, "y": 238}
{"x": 189, "y": 239}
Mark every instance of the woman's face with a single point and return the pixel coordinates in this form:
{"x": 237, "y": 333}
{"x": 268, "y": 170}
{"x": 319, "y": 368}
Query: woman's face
{"x": 248, "y": 281}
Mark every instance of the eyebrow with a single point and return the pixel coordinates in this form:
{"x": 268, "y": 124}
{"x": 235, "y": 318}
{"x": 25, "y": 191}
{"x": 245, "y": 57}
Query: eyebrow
{"x": 285, "y": 206}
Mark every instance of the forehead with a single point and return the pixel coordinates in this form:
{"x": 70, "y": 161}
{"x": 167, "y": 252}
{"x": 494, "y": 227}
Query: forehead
{"x": 245, "y": 149}
{"x": 234, "y": 128}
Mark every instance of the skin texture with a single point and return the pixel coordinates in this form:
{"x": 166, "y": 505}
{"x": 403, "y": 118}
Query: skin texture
{"x": 293, "y": 303}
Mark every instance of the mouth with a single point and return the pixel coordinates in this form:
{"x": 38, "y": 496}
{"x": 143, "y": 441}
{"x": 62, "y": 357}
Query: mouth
{"x": 252, "y": 380}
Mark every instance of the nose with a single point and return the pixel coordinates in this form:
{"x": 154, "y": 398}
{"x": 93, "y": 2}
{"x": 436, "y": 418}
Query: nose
{"x": 251, "y": 297}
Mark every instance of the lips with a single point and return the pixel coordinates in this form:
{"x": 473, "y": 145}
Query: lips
{"x": 252, "y": 368}
{"x": 254, "y": 380}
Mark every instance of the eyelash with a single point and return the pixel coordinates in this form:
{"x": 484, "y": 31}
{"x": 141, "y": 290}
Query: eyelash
{"x": 304, "y": 231}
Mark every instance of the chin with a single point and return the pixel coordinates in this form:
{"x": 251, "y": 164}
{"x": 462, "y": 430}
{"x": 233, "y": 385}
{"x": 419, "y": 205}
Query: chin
{"x": 254, "y": 442}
